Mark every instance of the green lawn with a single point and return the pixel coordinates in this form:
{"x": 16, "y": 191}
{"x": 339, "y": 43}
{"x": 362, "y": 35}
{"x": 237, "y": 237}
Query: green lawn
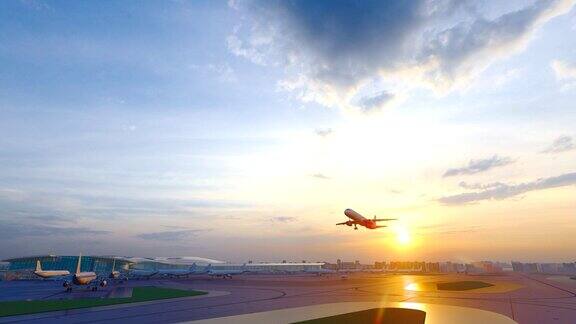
{"x": 374, "y": 316}
{"x": 462, "y": 285}
{"x": 139, "y": 294}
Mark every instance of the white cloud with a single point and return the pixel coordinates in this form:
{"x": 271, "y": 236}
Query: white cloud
{"x": 477, "y": 166}
{"x": 332, "y": 50}
{"x": 564, "y": 70}
{"x": 561, "y": 144}
{"x": 565, "y": 73}
{"x": 503, "y": 191}
{"x": 324, "y": 132}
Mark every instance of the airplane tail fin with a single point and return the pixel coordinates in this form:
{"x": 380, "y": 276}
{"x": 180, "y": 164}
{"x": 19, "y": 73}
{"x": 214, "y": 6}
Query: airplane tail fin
{"x": 79, "y": 262}
{"x": 38, "y": 265}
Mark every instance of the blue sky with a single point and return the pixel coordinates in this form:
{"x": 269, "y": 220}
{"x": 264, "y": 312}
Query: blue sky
{"x": 243, "y": 129}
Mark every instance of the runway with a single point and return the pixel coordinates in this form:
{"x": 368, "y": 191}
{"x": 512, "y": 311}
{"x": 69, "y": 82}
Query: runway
{"x": 535, "y": 299}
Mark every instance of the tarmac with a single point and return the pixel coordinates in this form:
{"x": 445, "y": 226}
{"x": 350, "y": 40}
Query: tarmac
{"x": 521, "y": 298}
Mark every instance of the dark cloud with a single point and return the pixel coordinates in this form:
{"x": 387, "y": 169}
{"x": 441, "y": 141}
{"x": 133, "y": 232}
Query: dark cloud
{"x": 477, "y": 166}
{"x": 283, "y": 219}
{"x": 333, "y": 48}
{"x": 561, "y": 144}
{"x": 376, "y": 102}
{"x": 170, "y": 235}
{"x": 320, "y": 176}
{"x": 504, "y": 191}
{"x": 324, "y": 132}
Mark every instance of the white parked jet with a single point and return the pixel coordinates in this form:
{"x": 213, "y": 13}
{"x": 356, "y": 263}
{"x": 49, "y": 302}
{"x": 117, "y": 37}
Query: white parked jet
{"x": 225, "y": 273}
{"x": 49, "y": 274}
{"x": 357, "y": 219}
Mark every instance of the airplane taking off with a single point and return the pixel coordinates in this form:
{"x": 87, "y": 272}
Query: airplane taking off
{"x": 357, "y": 219}
{"x": 47, "y": 274}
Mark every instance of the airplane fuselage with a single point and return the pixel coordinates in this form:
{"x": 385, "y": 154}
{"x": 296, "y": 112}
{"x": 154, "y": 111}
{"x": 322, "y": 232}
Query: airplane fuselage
{"x": 51, "y": 273}
{"x": 356, "y": 218}
{"x": 114, "y": 275}
{"x": 84, "y": 278}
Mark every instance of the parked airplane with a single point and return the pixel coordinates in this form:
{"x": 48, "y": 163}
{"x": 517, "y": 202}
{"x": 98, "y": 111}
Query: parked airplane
{"x": 180, "y": 272}
{"x": 114, "y": 274}
{"x": 83, "y": 278}
{"x": 47, "y": 274}
{"x": 225, "y": 273}
{"x": 142, "y": 274}
{"x": 357, "y": 219}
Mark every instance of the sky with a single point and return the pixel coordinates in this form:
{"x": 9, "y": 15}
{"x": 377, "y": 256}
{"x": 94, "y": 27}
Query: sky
{"x": 242, "y": 130}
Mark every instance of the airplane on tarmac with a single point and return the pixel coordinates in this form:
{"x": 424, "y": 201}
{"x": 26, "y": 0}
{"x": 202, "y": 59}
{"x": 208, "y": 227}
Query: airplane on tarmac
{"x": 357, "y": 219}
{"x": 225, "y": 273}
{"x": 193, "y": 270}
{"x": 114, "y": 274}
{"x": 142, "y": 274}
{"x": 80, "y": 278}
{"x": 49, "y": 274}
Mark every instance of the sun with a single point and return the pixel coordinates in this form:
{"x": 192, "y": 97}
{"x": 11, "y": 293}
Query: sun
{"x": 403, "y": 237}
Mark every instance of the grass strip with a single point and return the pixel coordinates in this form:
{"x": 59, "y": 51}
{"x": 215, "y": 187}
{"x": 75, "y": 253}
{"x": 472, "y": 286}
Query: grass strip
{"x": 139, "y": 294}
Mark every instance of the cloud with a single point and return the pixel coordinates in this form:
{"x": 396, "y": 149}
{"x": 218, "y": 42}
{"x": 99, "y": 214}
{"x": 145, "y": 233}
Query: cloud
{"x": 504, "y": 191}
{"x": 565, "y": 73}
{"x": 170, "y": 235}
{"x": 334, "y": 51}
{"x": 321, "y": 176}
{"x": 561, "y": 144}
{"x": 477, "y": 166}
{"x": 564, "y": 70}
{"x": 13, "y": 230}
{"x": 478, "y": 186}
{"x": 283, "y": 219}
{"x": 448, "y": 229}
{"x": 376, "y": 102}
{"x": 324, "y": 132}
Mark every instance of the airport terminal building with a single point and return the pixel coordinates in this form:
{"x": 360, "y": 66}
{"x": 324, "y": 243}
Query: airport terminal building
{"x": 21, "y": 268}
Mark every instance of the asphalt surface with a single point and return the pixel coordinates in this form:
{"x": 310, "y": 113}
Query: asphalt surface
{"x": 539, "y": 300}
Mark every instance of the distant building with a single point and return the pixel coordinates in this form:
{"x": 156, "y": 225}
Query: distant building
{"x": 548, "y": 268}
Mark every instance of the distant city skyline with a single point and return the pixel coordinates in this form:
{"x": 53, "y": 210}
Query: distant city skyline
{"x": 243, "y": 129}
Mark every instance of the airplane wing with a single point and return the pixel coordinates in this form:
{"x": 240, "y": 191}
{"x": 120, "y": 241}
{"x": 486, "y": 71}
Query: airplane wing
{"x": 384, "y": 219}
{"x": 342, "y": 223}
{"x": 381, "y": 226}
